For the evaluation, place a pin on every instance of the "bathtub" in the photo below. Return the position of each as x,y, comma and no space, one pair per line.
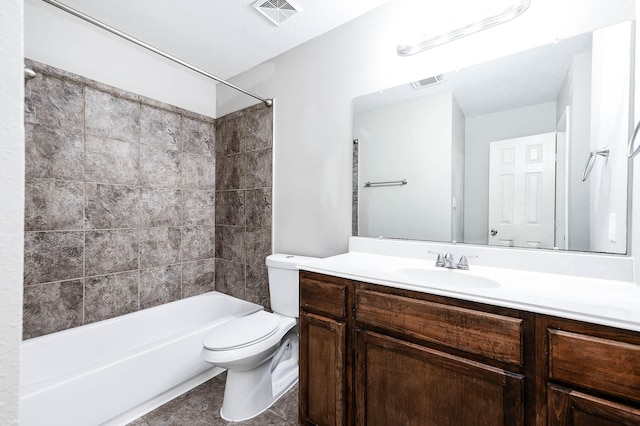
113,371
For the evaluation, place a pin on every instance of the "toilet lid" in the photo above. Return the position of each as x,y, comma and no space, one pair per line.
242,331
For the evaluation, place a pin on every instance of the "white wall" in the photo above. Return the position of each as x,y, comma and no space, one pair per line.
12,205
59,39
413,141
579,147
314,84
610,86
457,172
480,132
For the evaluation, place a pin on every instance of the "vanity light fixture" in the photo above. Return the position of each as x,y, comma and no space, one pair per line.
514,9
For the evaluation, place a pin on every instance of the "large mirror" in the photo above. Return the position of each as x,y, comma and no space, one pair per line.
527,150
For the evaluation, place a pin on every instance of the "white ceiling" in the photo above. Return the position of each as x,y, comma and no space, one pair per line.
223,37
526,78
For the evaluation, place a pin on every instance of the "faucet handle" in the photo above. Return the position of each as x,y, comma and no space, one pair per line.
463,263
440,259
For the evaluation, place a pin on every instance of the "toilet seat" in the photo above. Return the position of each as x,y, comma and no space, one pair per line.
242,332
248,353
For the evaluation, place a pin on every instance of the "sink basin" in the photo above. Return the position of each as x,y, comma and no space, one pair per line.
444,278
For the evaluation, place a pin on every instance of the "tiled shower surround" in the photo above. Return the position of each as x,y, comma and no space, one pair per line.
243,210
120,203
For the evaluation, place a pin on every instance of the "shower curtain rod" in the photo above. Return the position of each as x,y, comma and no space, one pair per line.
268,102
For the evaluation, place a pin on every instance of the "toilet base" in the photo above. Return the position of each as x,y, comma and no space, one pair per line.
250,393
254,413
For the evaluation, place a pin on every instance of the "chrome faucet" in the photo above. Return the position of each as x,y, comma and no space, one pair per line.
448,262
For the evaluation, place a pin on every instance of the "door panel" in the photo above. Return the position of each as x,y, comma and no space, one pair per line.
522,192
322,367
400,383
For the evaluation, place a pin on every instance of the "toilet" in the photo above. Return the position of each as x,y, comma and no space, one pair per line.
260,351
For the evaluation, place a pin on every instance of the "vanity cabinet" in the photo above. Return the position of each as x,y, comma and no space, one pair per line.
376,355
371,355
593,373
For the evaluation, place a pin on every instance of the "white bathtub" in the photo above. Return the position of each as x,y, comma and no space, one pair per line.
113,371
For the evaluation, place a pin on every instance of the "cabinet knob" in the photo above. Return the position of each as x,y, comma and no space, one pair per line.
494,232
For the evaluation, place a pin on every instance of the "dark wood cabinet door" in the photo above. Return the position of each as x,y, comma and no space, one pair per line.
571,408
400,383
322,371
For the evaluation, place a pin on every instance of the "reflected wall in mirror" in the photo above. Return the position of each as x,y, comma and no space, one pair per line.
495,153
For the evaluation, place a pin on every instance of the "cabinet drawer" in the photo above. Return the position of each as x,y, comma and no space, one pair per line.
569,407
600,364
493,336
323,297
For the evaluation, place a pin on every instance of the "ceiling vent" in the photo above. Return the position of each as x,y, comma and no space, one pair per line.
426,82
277,11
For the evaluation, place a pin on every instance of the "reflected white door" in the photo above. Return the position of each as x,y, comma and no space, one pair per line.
522,191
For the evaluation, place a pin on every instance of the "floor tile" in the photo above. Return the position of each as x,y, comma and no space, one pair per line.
201,406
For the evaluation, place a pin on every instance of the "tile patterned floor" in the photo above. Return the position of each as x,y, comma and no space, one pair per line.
201,406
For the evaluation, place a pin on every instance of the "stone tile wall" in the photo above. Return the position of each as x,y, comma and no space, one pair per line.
244,151
354,189
120,203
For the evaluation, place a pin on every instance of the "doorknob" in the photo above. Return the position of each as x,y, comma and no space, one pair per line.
494,232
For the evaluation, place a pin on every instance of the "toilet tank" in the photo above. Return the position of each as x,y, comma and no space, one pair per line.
283,282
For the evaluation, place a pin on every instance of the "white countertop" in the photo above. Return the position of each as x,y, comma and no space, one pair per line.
595,300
